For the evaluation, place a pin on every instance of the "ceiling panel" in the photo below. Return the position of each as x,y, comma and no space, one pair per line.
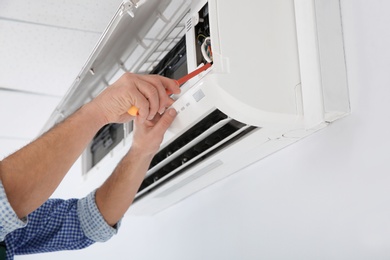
42,59
22,116
87,15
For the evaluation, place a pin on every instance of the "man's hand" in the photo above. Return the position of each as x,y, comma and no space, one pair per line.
149,135
147,92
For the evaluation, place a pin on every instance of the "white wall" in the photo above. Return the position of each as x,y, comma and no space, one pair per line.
325,197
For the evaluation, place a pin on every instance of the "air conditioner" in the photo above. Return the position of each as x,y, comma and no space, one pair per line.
278,75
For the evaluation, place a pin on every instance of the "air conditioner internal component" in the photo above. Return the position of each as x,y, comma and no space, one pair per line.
278,75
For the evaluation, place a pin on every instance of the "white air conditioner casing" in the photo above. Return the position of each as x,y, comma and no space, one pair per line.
278,74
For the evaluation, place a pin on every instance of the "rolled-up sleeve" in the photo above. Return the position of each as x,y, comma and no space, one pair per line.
92,221
9,221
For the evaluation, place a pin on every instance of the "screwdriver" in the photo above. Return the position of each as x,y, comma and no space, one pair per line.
134,110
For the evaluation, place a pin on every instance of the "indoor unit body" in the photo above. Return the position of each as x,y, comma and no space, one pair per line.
278,74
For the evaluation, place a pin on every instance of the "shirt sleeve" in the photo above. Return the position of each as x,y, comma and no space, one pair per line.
9,221
92,221
61,225
54,226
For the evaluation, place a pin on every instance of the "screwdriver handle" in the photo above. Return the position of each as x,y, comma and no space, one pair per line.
133,111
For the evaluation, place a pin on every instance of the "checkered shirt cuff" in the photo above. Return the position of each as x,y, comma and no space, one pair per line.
9,221
92,221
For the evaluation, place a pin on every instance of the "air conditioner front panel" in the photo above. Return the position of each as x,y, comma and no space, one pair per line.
252,114
205,93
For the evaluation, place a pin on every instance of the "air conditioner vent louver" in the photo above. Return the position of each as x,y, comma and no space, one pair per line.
188,136
214,131
190,178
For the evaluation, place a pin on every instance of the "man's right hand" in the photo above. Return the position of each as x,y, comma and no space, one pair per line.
147,92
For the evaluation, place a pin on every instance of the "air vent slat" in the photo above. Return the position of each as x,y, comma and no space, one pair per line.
191,178
198,137
188,136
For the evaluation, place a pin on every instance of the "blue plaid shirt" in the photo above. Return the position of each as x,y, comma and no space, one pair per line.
56,225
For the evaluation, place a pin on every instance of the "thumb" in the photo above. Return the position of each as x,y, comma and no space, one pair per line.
166,120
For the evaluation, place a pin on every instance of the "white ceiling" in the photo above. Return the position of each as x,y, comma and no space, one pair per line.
43,46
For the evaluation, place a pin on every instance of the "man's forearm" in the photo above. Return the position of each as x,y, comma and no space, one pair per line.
115,196
32,174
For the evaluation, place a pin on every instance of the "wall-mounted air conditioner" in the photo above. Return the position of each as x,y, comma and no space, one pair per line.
278,75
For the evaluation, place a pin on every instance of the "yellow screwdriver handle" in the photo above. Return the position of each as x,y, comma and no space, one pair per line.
133,111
